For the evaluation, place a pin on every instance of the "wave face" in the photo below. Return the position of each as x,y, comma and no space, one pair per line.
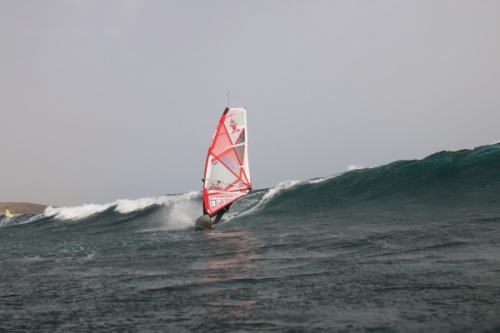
443,186
407,246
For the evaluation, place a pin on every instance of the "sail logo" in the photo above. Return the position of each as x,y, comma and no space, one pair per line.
218,202
234,126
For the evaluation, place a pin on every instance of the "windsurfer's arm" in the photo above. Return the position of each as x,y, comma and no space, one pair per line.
218,217
220,213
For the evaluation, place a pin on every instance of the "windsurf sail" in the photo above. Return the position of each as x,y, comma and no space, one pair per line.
8,213
227,175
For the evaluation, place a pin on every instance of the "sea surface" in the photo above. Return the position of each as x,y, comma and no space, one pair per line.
411,246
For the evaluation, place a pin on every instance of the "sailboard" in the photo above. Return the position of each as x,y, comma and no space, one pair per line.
8,213
227,174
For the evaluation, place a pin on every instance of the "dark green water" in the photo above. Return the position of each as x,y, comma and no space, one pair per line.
411,246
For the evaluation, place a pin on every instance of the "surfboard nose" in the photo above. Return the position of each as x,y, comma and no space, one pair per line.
203,223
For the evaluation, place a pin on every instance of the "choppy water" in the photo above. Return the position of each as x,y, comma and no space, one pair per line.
412,246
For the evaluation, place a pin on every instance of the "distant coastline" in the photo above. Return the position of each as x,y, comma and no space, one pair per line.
21,208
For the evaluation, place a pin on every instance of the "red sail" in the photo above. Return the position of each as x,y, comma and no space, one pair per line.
227,176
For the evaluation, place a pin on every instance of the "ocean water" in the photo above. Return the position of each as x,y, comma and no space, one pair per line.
412,246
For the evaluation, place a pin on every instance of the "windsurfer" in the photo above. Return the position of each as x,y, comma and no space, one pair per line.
226,177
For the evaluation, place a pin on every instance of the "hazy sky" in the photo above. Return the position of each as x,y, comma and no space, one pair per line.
118,99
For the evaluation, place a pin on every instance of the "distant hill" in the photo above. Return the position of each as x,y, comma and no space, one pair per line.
21,208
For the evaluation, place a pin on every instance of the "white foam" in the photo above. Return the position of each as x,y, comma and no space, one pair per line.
122,206
126,206
321,180
75,213
272,192
182,215
355,167
278,189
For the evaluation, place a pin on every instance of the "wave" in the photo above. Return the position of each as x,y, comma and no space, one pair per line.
460,181
120,206
465,182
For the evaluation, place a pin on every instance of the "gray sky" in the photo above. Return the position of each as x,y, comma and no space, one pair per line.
118,99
